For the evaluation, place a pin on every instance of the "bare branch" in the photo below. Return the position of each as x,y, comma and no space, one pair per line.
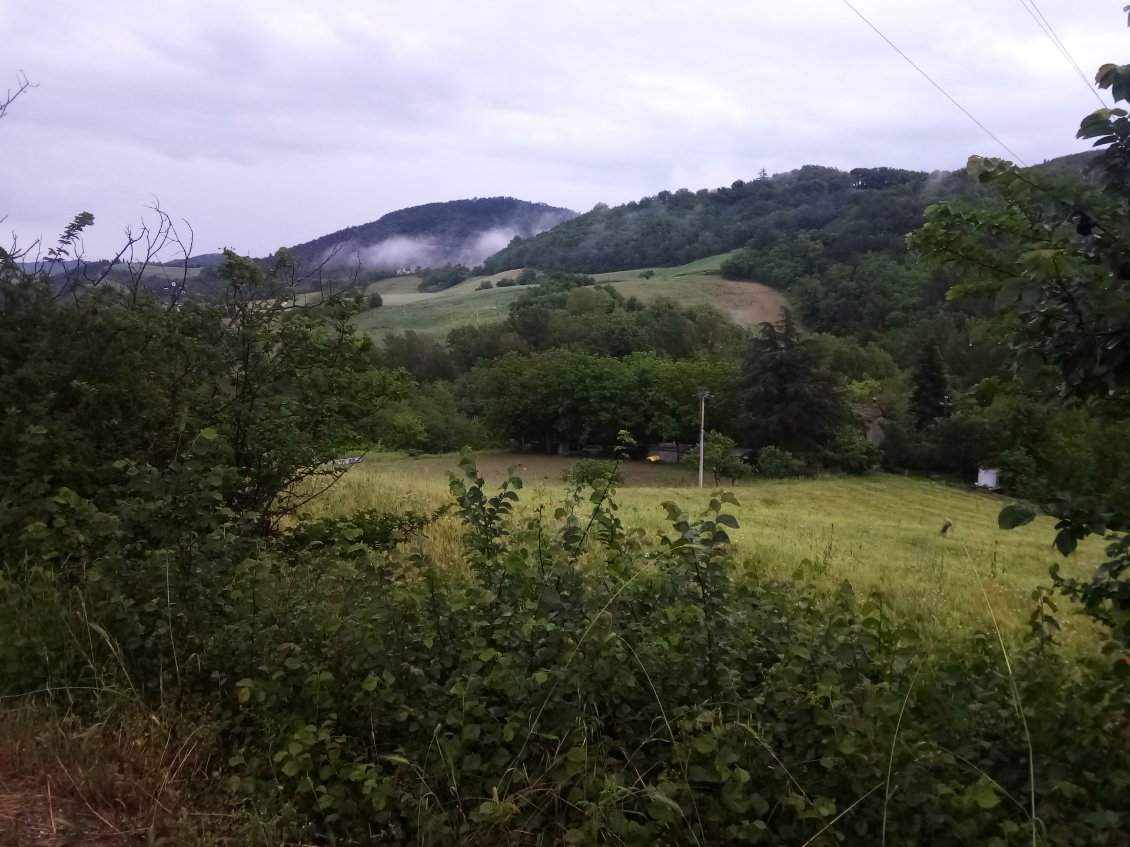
140,256
22,85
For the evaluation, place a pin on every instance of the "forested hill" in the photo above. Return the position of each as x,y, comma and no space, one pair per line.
673,228
456,232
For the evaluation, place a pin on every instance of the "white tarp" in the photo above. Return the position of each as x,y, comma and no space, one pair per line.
988,478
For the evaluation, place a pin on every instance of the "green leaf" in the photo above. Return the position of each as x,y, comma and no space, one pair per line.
825,806
1014,515
663,808
984,795
705,743
1066,542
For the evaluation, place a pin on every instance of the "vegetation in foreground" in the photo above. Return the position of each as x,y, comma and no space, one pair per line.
576,682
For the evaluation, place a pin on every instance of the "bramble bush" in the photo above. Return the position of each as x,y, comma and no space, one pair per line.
593,471
578,683
850,452
776,463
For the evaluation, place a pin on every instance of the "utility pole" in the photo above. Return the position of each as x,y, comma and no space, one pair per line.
702,393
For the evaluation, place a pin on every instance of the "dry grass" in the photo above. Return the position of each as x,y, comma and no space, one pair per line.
881,532
746,303
116,779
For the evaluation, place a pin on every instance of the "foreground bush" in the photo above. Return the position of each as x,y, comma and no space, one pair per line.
578,683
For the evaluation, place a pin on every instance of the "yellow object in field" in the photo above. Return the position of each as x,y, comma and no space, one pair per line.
654,459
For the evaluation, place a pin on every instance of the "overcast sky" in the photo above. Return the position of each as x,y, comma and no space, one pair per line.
270,123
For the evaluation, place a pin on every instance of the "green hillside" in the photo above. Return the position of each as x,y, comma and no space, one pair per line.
695,284
869,206
406,308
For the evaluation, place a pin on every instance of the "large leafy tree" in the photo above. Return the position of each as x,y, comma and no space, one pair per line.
578,398
99,379
1054,255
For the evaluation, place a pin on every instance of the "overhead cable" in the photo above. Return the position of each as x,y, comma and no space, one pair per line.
936,85
1033,10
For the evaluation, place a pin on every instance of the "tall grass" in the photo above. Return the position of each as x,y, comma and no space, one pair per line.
880,532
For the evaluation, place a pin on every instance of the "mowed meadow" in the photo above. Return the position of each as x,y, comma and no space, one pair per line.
934,548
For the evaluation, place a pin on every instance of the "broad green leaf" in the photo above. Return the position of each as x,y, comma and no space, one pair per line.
1014,515
1066,542
984,795
705,743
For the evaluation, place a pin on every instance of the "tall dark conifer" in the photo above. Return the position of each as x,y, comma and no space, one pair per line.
929,399
792,399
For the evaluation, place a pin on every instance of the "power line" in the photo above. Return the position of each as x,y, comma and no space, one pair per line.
930,79
1046,26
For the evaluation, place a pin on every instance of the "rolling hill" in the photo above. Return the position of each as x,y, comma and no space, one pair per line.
456,232
674,228
696,283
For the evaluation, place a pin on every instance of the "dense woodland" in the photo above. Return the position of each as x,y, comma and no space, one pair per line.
576,682
863,208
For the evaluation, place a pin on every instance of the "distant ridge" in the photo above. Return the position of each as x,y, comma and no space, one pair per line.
434,234
673,228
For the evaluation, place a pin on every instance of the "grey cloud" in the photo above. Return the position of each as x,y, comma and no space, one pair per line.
267,124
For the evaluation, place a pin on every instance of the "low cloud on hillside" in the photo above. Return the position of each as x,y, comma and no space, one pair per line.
400,251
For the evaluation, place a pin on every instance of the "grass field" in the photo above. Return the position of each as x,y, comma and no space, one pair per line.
881,532
435,313
700,283
694,284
